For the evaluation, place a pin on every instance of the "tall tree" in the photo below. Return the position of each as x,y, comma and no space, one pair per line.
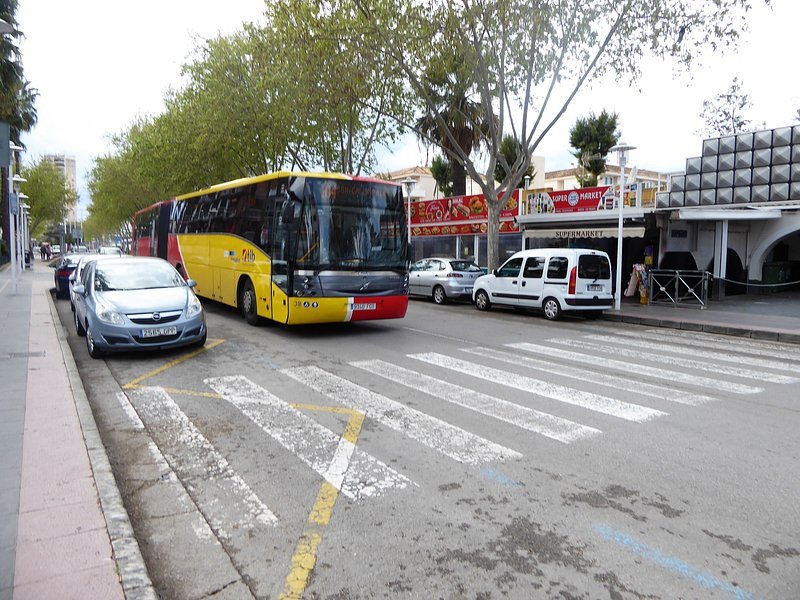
510,150
525,62
724,114
592,137
443,175
48,195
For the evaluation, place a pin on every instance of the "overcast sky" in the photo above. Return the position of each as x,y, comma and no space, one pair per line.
98,64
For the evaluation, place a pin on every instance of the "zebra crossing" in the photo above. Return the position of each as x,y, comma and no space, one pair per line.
509,385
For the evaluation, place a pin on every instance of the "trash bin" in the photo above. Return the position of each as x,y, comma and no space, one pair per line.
28,259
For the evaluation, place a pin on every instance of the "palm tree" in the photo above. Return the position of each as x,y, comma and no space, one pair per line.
457,124
17,98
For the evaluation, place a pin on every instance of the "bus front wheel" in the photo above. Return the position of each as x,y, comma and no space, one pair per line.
248,303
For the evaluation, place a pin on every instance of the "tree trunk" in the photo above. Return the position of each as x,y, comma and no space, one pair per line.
459,178
493,232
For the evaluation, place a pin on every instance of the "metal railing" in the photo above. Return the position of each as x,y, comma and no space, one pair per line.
680,288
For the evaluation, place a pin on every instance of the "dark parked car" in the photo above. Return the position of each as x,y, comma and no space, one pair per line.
64,268
139,303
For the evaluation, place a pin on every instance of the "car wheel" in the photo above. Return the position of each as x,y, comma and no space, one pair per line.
552,309
94,352
482,300
249,304
79,328
202,341
438,295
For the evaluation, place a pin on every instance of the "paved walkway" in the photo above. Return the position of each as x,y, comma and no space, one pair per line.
64,532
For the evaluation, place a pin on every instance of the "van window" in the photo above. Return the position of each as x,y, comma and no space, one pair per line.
593,266
557,268
534,268
511,268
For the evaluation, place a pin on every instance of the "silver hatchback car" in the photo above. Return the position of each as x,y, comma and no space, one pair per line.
137,303
443,279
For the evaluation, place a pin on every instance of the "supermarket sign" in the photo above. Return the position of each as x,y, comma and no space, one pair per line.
460,215
540,202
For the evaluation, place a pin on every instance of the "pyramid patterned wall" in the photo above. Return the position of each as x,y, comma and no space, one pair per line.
748,168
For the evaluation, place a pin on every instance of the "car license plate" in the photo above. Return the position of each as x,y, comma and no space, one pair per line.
159,331
594,287
362,306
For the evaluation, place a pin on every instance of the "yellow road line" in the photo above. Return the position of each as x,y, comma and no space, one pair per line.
305,553
333,409
209,345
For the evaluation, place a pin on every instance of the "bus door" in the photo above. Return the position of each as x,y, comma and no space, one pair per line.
282,260
162,229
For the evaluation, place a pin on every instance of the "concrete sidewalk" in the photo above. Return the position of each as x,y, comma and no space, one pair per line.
768,317
64,532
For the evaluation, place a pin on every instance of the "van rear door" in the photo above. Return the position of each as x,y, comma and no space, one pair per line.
594,275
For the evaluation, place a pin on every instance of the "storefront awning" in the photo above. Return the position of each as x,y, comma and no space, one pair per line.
582,233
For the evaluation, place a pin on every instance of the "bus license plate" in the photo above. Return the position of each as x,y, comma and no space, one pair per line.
594,287
159,331
362,306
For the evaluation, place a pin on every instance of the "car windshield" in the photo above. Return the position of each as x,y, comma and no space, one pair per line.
464,265
114,276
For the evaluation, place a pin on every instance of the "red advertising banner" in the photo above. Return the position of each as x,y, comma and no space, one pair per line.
568,201
460,215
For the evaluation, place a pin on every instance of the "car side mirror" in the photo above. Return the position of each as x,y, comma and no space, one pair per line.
80,290
72,277
494,272
191,283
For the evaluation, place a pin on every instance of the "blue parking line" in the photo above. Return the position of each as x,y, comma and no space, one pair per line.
504,480
640,548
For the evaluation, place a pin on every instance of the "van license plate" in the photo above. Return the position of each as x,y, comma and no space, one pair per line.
362,306
594,287
159,331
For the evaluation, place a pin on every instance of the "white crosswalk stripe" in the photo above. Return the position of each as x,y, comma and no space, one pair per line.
353,471
689,363
567,395
215,485
594,377
448,439
652,372
733,345
542,423
702,354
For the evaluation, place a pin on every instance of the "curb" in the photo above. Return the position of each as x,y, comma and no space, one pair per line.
136,584
756,334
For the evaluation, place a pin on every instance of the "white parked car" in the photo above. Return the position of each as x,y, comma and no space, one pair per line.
551,279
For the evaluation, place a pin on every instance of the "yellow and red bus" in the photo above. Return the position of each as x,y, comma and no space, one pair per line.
291,247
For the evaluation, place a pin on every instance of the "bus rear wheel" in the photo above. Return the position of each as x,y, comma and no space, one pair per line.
248,303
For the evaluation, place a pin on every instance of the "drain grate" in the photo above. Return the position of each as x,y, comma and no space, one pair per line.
22,355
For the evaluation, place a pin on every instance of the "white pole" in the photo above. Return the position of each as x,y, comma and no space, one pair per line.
618,298
12,235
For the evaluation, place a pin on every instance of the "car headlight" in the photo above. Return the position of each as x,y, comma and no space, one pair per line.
107,314
193,307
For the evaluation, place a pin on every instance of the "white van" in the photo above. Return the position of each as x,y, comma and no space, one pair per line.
552,279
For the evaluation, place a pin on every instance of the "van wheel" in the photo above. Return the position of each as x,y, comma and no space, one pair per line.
438,295
552,309
482,300
248,303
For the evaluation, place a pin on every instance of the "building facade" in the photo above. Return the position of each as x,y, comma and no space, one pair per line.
66,166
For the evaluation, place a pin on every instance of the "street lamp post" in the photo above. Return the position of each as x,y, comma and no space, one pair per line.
622,150
409,184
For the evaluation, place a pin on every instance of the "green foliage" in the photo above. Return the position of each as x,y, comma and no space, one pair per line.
511,151
17,98
523,63
592,137
48,194
725,113
442,175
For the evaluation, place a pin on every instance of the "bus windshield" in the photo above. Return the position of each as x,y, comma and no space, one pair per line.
351,224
